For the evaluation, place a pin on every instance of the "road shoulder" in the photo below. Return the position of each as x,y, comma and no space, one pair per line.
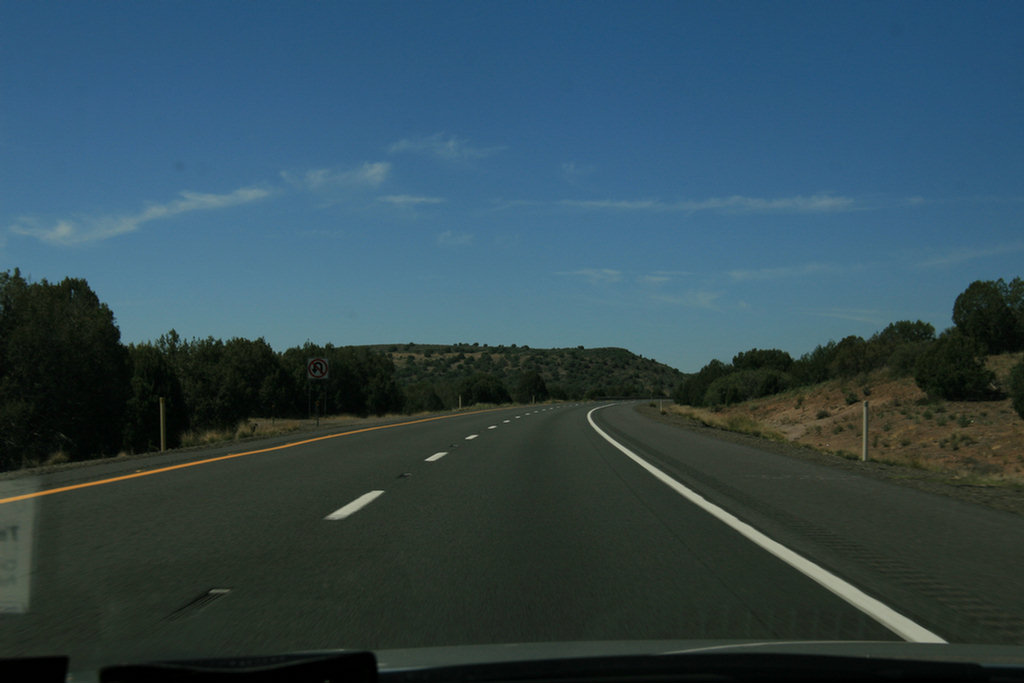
1002,498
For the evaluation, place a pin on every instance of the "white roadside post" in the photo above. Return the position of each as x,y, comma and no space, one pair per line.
864,443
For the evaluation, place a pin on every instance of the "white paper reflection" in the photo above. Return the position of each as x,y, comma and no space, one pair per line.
17,533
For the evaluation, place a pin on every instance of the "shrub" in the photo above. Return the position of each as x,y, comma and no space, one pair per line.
953,369
693,389
982,312
1016,387
745,385
850,357
756,359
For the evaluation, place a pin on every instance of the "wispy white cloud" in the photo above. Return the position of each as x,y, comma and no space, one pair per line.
790,271
661,277
450,238
369,174
409,200
818,203
963,254
813,204
449,148
596,275
697,298
618,205
68,231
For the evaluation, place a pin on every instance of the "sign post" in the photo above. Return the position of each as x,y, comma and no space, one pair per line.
316,369
163,425
864,442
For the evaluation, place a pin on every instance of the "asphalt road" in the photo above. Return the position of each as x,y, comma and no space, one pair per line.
535,529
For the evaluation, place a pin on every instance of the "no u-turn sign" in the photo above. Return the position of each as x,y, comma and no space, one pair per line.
316,368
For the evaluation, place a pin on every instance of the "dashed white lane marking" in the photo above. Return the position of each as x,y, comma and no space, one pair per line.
437,456
519,417
355,506
471,437
897,623
493,427
505,422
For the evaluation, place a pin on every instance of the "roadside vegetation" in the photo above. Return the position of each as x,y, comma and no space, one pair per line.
950,403
70,390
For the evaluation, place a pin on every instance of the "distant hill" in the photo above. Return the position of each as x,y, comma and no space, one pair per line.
567,373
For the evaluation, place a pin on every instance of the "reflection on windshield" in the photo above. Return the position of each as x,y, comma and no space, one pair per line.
17,535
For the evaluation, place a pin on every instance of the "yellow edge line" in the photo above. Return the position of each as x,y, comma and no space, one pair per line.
111,480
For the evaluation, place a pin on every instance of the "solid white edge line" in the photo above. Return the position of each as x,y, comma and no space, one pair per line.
894,621
355,506
437,456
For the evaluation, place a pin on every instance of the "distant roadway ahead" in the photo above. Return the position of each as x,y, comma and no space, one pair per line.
547,523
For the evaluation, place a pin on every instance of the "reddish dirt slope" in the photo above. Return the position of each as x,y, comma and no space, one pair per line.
976,441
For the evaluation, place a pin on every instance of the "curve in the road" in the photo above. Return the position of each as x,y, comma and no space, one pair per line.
880,612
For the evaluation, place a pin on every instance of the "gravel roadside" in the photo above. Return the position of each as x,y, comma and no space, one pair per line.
1005,498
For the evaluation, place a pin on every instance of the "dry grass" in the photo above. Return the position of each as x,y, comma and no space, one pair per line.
735,422
58,457
247,429
976,442
257,427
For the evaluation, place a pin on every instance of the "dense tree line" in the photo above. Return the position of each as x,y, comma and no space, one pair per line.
988,318
70,388
65,378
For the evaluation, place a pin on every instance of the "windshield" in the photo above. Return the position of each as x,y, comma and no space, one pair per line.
400,325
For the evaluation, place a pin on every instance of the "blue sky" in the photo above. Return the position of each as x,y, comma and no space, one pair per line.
686,180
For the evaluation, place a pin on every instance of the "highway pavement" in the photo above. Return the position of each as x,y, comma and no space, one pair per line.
514,525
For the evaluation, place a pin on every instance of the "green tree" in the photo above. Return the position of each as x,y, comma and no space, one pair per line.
64,375
361,381
1016,387
422,397
850,357
483,388
815,366
745,385
531,387
692,390
953,368
905,332
899,345
981,312
1013,295
152,377
755,359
